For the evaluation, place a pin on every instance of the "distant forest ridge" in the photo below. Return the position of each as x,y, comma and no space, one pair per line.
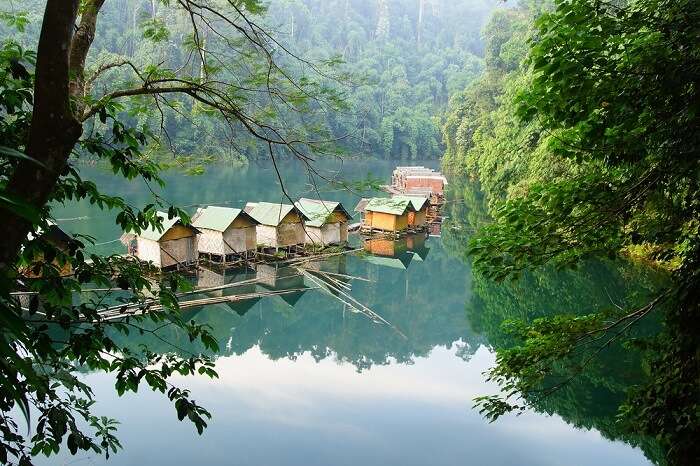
404,59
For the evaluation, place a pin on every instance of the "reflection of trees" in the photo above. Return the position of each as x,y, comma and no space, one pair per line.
414,301
592,399
464,212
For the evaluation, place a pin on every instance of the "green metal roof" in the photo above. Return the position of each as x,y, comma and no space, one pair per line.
155,235
389,205
418,202
360,207
270,214
217,218
319,211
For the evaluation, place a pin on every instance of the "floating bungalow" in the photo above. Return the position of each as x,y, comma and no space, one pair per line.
360,207
418,179
56,237
386,214
419,218
327,221
226,234
279,225
173,247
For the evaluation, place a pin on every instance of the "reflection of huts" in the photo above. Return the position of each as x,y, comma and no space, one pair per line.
388,253
225,232
333,265
327,221
174,246
418,218
274,277
279,225
416,244
228,282
386,214
215,276
398,254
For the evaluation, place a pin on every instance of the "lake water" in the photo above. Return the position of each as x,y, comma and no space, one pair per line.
305,381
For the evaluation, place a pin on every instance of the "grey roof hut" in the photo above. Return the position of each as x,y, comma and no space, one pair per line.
225,231
174,246
279,225
328,221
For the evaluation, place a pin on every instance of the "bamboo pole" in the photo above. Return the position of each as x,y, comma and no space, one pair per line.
342,275
201,302
356,304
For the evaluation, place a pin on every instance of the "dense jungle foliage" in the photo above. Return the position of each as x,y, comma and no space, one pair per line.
583,133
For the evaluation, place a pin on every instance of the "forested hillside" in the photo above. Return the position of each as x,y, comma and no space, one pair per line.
484,137
395,64
407,57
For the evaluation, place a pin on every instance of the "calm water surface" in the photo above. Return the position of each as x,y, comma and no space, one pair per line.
304,381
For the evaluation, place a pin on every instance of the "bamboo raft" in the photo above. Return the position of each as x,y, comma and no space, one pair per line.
334,284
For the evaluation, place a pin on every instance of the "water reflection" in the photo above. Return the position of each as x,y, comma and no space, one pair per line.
591,400
397,253
306,381
413,301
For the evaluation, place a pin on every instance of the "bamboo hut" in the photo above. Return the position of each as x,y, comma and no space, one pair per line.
279,225
54,236
327,224
225,233
414,179
174,246
418,218
360,207
59,239
388,215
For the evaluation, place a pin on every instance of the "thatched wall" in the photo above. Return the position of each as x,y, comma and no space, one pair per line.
330,233
178,251
286,234
231,241
148,251
240,239
386,222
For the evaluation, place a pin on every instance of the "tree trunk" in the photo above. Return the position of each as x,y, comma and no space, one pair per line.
421,7
54,128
